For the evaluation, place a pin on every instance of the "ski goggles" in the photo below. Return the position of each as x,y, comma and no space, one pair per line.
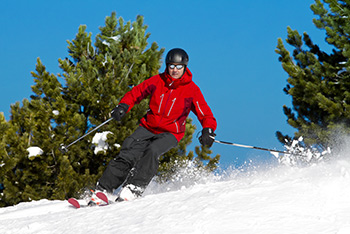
178,67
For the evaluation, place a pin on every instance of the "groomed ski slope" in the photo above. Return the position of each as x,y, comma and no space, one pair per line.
278,199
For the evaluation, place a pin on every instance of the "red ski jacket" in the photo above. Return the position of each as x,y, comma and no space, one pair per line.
170,103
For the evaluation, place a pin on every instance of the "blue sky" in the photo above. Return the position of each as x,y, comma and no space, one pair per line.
231,45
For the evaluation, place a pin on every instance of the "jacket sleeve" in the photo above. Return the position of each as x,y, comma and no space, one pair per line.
139,92
203,112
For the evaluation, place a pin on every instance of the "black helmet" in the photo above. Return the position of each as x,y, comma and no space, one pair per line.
177,55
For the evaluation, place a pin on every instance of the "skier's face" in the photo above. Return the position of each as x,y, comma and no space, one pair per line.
176,70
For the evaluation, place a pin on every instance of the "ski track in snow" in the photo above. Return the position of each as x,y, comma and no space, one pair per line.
279,200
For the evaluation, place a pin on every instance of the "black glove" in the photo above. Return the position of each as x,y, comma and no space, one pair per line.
207,138
119,111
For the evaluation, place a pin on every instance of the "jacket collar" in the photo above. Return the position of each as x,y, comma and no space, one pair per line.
172,83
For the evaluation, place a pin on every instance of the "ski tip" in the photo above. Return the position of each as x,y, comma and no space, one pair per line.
74,202
102,196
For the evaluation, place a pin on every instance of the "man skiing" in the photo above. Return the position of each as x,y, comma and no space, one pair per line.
173,95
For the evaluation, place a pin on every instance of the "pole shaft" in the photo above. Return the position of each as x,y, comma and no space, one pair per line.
89,132
250,147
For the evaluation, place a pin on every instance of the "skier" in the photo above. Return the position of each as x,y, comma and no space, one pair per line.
173,95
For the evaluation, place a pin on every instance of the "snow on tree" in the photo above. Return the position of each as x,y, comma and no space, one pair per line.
34,151
99,140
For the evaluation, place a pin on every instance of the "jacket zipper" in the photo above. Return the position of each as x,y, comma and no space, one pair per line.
161,101
172,106
199,108
177,127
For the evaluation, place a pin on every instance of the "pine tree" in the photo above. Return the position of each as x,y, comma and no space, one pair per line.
66,106
319,82
7,161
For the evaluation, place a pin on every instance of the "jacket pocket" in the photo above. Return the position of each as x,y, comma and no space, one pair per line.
177,126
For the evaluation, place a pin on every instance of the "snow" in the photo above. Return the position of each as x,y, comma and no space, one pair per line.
115,38
99,140
276,154
272,199
34,151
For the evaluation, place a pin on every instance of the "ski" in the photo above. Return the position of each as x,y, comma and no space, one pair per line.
103,197
74,202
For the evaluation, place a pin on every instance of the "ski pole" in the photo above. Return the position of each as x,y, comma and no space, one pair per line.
64,149
251,147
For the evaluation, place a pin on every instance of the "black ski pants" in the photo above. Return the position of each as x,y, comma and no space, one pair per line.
137,162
